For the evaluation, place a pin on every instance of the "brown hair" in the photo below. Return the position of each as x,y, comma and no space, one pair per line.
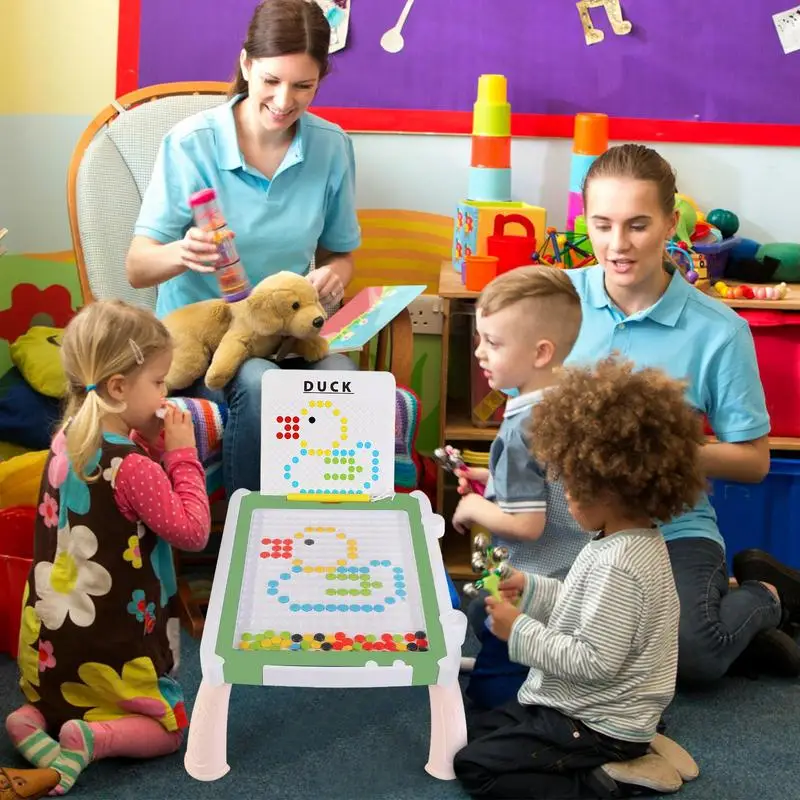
283,28
105,338
611,432
555,305
639,163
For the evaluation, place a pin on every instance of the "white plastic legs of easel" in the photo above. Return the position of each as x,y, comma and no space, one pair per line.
207,747
448,730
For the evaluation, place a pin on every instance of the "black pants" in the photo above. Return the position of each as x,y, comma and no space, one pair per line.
536,752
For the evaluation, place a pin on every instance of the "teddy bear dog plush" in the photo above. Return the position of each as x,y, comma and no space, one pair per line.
214,337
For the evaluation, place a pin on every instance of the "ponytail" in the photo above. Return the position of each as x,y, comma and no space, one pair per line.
84,434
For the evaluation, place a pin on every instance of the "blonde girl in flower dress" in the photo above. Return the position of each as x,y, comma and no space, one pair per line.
99,639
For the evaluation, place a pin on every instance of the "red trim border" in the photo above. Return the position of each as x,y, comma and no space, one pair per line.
128,39
374,120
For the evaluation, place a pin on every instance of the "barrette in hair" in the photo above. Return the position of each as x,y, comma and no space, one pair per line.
137,352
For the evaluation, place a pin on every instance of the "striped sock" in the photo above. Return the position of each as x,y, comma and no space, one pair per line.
77,749
26,729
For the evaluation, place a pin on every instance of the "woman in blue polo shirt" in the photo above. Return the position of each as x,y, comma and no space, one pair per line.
286,183
637,304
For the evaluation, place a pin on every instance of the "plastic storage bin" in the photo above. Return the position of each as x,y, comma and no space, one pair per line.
716,254
765,515
777,339
16,557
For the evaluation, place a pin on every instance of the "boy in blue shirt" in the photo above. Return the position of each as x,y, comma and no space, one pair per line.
527,320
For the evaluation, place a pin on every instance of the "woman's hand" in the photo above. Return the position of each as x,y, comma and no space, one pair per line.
327,283
198,252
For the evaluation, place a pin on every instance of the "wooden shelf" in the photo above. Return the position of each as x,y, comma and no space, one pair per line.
450,286
460,428
789,303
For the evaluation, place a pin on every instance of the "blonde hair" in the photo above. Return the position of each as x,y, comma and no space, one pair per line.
555,305
105,338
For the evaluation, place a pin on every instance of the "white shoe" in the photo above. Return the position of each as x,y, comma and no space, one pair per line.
467,664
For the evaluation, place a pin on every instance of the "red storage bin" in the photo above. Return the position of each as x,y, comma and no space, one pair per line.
16,557
777,339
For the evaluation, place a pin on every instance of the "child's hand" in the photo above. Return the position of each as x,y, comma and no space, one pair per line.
512,586
503,615
178,429
464,514
476,474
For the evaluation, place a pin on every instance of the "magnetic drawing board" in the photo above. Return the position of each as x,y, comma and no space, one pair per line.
327,433
301,585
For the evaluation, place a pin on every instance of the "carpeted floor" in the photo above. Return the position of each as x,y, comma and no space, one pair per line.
371,744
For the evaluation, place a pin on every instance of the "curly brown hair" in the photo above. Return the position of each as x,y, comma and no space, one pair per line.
613,433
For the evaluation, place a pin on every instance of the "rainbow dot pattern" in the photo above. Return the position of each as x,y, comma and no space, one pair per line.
326,457
340,582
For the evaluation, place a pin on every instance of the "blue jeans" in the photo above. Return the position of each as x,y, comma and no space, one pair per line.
241,444
717,622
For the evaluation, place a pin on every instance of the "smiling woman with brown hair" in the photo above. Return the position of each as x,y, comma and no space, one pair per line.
285,179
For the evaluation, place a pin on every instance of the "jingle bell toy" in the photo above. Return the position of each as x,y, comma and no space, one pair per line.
449,459
492,565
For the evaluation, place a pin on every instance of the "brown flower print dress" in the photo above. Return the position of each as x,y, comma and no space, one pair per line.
99,636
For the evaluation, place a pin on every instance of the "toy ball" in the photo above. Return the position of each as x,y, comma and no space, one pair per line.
760,292
480,542
747,292
692,276
471,590
726,221
683,246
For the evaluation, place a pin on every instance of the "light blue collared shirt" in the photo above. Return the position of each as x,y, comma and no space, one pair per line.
691,337
278,223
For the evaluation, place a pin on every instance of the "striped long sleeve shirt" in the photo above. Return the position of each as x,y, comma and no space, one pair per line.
603,645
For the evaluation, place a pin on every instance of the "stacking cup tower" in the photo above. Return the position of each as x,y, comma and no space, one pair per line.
590,141
493,232
490,164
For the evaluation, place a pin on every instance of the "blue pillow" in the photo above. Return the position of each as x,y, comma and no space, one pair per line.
27,418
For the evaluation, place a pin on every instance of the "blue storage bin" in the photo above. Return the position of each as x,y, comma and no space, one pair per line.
764,515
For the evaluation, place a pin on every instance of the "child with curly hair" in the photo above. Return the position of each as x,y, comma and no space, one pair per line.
100,634
602,645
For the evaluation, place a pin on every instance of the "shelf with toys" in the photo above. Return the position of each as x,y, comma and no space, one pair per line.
493,234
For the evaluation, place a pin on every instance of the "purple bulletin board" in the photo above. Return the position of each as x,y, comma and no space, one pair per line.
691,70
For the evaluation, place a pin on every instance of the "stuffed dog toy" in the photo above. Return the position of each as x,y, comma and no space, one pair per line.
214,337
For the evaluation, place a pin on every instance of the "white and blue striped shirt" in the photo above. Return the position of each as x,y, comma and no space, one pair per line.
603,645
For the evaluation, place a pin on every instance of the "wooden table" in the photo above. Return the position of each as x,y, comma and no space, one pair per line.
455,424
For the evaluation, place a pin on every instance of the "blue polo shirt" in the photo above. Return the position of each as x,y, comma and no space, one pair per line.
278,223
692,337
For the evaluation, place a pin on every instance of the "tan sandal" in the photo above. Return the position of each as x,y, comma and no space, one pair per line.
26,784
680,759
649,771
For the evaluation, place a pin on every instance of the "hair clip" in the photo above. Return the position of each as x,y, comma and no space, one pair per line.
137,352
